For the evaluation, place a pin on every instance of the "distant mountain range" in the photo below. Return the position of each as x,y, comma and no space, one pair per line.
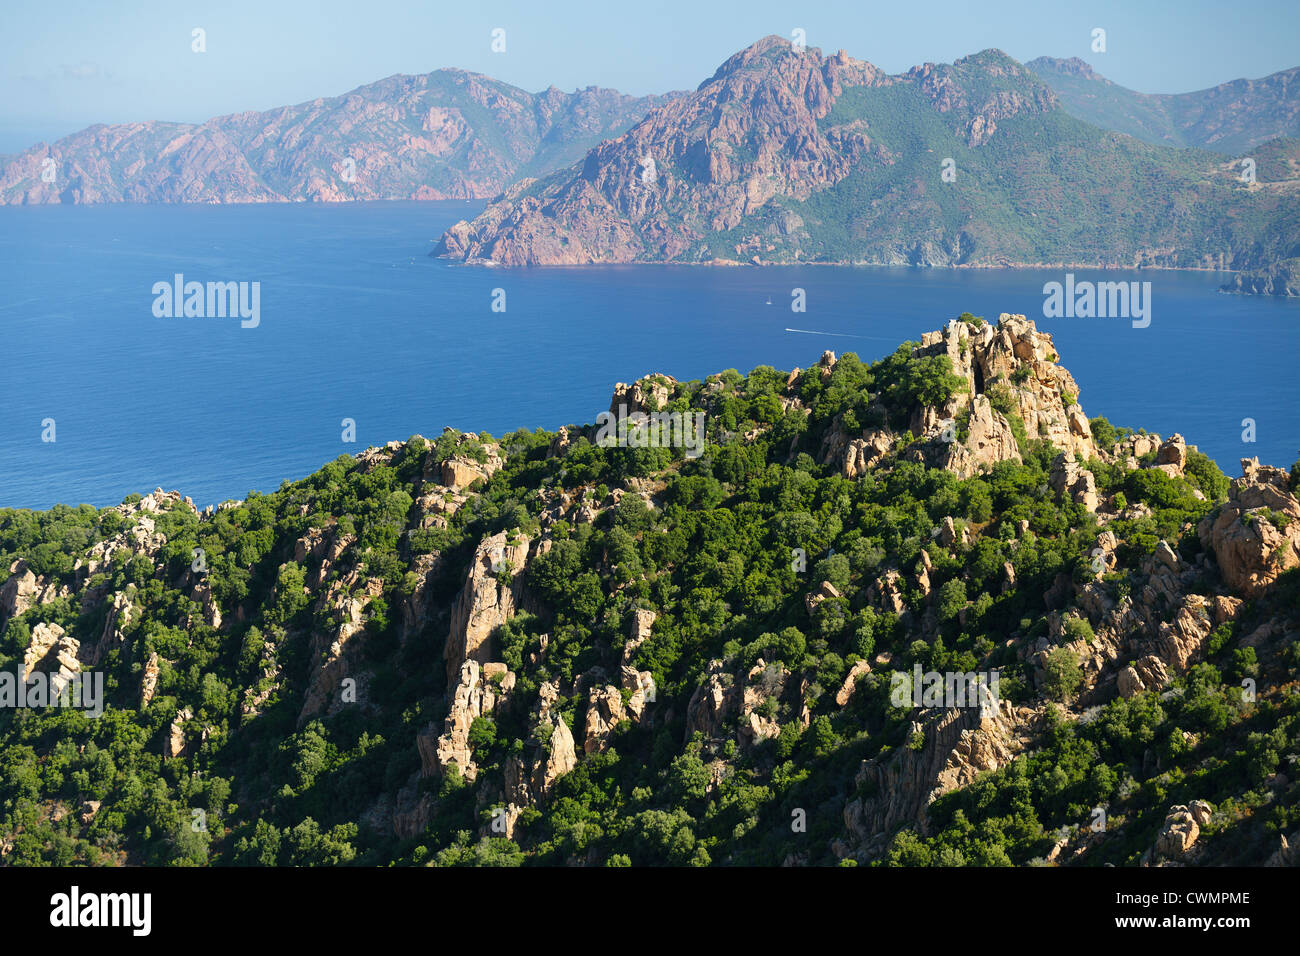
443,135
782,156
1228,118
785,156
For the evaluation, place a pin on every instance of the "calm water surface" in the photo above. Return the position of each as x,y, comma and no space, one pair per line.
358,322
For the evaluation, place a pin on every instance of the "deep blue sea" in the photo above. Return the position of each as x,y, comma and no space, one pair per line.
356,321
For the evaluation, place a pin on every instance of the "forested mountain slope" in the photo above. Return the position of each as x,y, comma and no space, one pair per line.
540,650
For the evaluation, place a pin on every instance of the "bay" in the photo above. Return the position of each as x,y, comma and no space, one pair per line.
357,322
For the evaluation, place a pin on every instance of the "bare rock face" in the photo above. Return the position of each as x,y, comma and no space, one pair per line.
1171,457
416,608
1016,363
557,756
924,567
1178,835
53,650
478,694
950,534
19,591
991,438
824,591
140,538
647,394
210,611
642,626
322,552
845,693
409,811
489,598
711,703
604,711
642,686
175,743
113,634
23,590
1287,852
1015,355
464,467
149,683
862,454
1131,448
1250,547
764,682
1201,810
957,744
1181,641
886,592
334,652
1148,673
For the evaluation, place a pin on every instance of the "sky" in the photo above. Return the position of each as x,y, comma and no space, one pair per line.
65,66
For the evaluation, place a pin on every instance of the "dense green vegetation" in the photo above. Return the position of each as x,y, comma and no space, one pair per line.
717,560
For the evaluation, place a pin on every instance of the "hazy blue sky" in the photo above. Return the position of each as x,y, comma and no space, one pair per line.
65,66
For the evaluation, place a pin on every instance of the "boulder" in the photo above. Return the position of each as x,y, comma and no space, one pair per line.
1178,834
1171,457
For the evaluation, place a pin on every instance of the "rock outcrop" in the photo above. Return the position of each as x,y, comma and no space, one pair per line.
605,710
488,599
647,394
149,682
334,653
479,693
845,693
1023,360
710,703
1072,480
764,682
175,743
1178,834
556,756
953,746
54,650
1255,535
1012,366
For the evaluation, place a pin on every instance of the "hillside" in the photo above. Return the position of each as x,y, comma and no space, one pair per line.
442,135
784,156
1229,118
549,648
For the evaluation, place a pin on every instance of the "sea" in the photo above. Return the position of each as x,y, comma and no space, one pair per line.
359,333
